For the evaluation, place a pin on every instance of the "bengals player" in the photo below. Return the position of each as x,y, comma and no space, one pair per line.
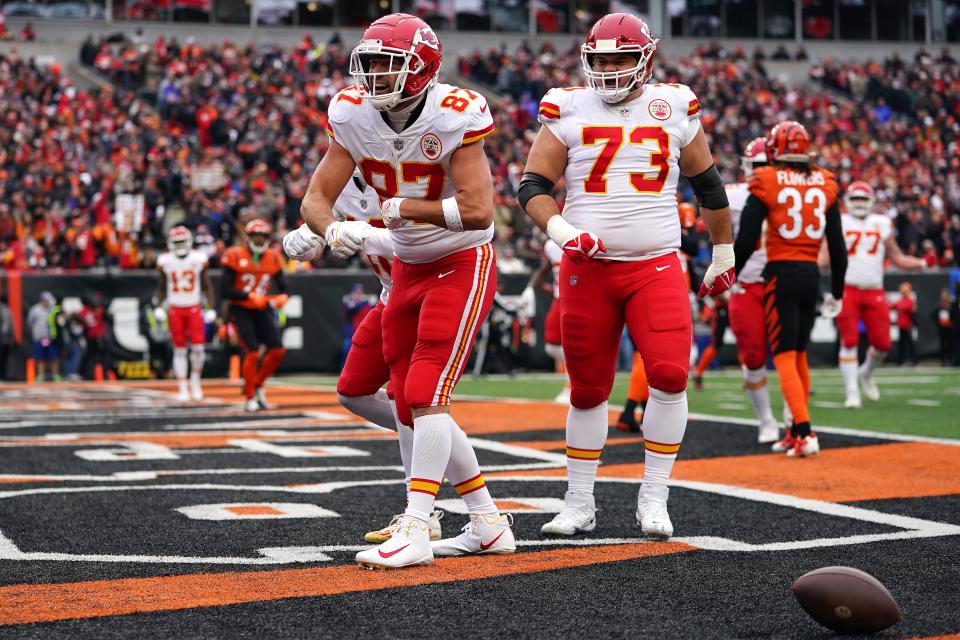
248,272
799,203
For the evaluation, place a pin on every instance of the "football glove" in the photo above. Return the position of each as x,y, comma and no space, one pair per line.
303,244
160,314
830,308
390,212
278,301
209,316
578,245
720,275
258,301
346,238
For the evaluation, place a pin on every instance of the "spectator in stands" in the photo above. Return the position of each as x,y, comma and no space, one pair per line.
8,339
44,332
906,308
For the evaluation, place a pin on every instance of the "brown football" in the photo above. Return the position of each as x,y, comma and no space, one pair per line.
846,600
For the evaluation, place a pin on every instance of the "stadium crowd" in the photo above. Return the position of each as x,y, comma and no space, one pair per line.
213,136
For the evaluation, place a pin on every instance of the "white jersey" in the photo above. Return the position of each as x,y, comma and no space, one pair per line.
414,163
554,255
358,201
183,277
622,166
865,249
737,194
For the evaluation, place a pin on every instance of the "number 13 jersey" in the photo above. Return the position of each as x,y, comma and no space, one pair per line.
414,163
622,165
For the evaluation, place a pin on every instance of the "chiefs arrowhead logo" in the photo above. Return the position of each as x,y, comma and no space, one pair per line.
425,35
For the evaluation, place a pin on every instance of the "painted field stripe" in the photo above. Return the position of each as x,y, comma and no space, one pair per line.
709,543
29,603
560,445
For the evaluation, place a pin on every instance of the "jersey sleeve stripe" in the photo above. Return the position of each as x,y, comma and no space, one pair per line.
330,132
694,107
546,113
473,136
549,106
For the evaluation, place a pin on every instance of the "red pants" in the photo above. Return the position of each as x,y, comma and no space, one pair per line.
596,299
870,305
551,329
186,323
365,370
746,319
430,324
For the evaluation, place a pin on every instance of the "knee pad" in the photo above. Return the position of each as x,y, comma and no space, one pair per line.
583,397
667,377
883,344
555,351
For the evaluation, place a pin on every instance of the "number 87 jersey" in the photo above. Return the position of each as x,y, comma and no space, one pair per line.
622,164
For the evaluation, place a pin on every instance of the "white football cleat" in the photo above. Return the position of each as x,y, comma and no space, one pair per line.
251,405
579,514
768,432
196,391
803,447
261,398
409,545
652,513
868,385
483,534
382,535
184,394
852,401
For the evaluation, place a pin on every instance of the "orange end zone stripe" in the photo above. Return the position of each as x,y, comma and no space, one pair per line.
28,603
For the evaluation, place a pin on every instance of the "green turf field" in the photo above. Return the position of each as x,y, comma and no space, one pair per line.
924,401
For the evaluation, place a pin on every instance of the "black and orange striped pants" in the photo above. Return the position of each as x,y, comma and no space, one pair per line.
790,308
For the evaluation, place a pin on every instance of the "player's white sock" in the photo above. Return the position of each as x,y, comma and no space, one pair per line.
848,368
180,363
405,437
759,392
432,435
586,435
463,471
664,423
374,408
197,357
874,359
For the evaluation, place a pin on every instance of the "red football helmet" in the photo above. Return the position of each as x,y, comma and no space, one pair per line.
754,155
859,199
414,54
179,241
260,227
618,33
788,141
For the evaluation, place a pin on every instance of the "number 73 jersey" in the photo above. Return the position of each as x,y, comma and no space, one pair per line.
622,164
796,203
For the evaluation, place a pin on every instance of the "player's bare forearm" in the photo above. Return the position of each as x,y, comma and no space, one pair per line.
208,288
718,224
470,173
161,288
901,261
540,209
326,183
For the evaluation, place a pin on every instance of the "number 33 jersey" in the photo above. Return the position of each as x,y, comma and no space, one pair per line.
414,163
183,277
622,164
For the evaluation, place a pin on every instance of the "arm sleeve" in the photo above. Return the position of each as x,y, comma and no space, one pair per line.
227,290
838,250
379,244
751,225
280,278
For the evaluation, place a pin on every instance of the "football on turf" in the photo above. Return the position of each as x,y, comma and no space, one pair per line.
846,600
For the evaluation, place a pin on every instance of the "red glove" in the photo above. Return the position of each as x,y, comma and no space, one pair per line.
584,247
720,275
279,300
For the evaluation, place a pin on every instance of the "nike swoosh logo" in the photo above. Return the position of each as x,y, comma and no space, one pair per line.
483,109
394,552
444,275
484,547
662,268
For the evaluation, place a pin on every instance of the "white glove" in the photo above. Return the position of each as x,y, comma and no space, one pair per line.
390,212
346,238
302,244
830,308
720,275
209,316
160,314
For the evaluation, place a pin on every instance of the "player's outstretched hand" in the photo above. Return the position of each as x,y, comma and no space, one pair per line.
302,244
830,308
346,238
390,212
720,275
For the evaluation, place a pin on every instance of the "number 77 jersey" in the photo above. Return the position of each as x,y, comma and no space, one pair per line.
622,164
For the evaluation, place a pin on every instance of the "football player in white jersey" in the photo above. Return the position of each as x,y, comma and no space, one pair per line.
419,145
746,304
621,146
870,239
551,328
365,371
181,272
